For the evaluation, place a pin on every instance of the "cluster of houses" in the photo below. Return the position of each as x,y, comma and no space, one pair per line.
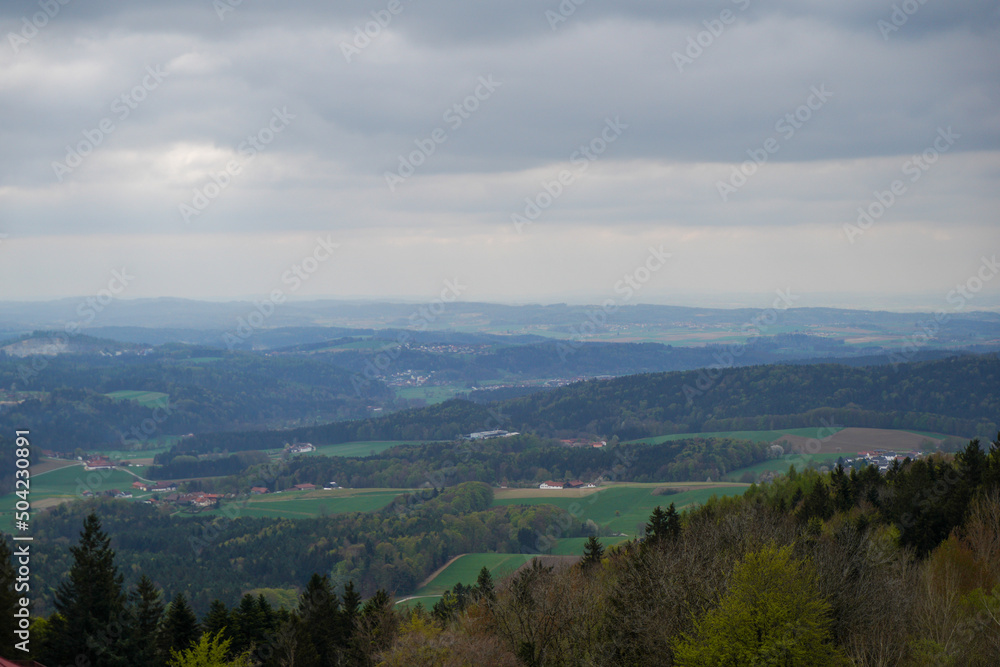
575,484
300,448
880,458
198,499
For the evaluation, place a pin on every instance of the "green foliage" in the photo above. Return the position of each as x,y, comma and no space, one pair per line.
210,651
772,614
89,604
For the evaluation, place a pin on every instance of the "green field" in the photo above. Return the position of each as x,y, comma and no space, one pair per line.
358,448
621,509
755,436
466,569
573,546
308,504
149,399
781,464
64,484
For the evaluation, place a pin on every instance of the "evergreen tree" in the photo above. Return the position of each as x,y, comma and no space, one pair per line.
656,529
218,620
89,605
484,585
673,522
349,618
593,551
8,602
146,607
180,627
209,651
319,610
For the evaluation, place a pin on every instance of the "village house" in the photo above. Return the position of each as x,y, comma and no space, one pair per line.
163,486
98,463
550,485
304,487
300,447
258,490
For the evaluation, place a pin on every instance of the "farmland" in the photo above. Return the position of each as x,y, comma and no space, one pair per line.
621,508
307,504
367,448
149,399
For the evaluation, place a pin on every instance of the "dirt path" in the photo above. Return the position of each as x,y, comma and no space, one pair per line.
438,571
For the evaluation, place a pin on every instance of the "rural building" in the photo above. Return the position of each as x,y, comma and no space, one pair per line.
98,463
304,487
550,485
164,486
258,490
575,484
331,486
140,486
300,447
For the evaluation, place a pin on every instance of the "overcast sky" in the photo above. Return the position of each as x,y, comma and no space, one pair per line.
530,151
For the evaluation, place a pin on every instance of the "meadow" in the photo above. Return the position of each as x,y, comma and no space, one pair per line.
623,508
149,399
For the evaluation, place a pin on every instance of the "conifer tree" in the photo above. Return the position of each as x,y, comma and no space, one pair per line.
218,620
146,614
89,605
593,551
319,610
484,585
180,627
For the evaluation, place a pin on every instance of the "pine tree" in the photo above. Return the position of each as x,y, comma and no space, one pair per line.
146,613
180,627
349,618
484,585
89,605
218,620
8,601
673,520
593,551
319,610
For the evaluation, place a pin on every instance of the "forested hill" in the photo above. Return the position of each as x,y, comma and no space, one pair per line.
958,395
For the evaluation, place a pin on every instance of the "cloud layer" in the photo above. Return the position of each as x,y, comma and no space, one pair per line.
534,150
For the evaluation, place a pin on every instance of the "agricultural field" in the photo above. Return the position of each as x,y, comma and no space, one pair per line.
754,436
357,448
62,484
465,569
623,508
781,464
852,440
308,504
149,399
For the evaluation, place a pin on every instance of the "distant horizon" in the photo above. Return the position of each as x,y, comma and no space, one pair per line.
892,303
